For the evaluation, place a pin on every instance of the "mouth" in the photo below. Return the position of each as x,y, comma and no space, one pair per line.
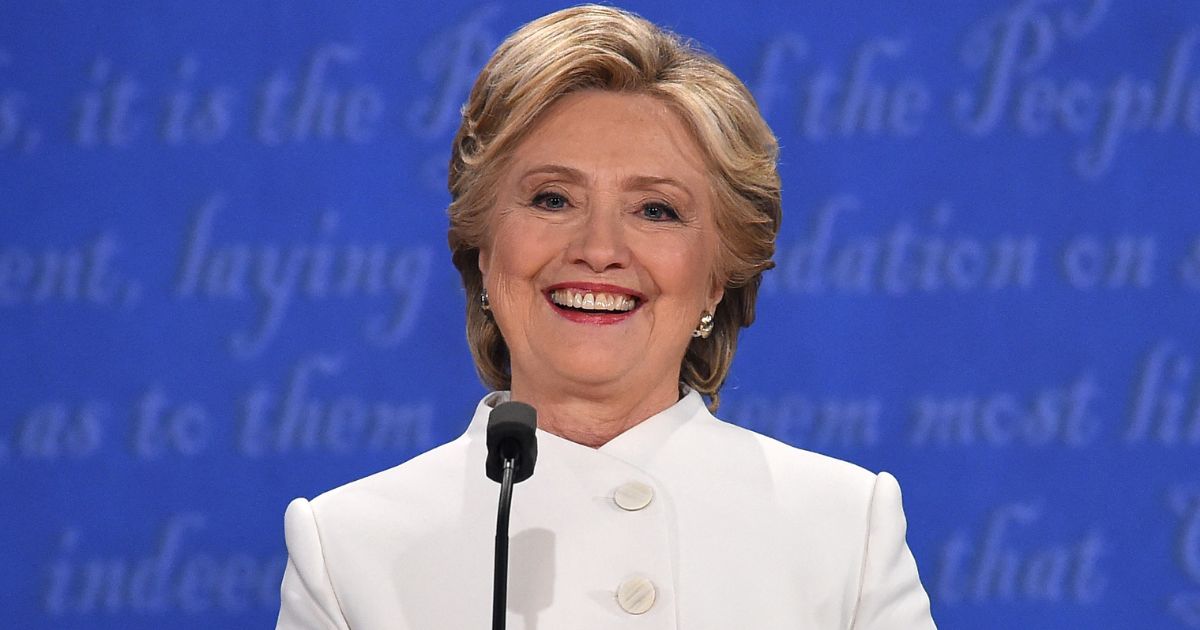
593,303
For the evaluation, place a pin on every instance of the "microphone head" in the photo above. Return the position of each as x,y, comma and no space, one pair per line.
511,432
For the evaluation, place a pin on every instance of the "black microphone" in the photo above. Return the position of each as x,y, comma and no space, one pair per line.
512,452
511,435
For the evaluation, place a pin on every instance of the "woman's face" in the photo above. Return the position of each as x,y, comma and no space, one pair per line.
603,247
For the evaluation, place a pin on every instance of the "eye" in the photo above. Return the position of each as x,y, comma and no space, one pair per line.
550,201
658,211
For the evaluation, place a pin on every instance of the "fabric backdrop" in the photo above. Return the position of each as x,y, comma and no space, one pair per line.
224,283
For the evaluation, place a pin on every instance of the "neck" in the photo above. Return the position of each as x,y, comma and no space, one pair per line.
592,416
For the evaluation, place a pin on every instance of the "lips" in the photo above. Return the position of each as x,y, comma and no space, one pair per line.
593,303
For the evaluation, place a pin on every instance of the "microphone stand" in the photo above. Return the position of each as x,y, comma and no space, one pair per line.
500,581
512,452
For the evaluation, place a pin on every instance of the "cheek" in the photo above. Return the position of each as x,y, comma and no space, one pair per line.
685,271
516,255
503,249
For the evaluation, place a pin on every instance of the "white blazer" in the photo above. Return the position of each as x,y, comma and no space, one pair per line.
682,522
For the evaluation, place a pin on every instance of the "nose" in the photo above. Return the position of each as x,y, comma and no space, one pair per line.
599,241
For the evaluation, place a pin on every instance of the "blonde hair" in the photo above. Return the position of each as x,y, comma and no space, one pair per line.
594,47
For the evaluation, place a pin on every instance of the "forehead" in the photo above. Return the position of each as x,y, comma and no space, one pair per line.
614,133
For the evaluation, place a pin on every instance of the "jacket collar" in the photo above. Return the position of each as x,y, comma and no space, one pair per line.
639,445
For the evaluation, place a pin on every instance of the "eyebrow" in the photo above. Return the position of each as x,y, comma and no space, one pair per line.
633,181
573,174
641,181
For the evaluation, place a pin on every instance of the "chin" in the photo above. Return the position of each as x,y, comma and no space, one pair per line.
588,372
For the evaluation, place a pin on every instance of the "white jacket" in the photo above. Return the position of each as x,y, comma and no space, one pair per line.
721,529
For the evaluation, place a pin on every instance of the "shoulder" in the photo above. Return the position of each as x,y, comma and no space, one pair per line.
406,515
835,528
412,491
788,460
796,478
427,515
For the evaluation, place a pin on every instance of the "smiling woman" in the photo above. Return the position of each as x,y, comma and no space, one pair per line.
615,201
722,155
608,196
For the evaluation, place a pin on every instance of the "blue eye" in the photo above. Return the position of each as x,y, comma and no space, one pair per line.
550,201
659,212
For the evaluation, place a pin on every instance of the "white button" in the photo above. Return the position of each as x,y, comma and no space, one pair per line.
636,595
633,496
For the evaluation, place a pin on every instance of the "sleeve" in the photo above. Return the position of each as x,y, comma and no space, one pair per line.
307,600
890,594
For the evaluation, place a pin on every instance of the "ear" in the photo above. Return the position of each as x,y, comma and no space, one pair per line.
485,260
715,295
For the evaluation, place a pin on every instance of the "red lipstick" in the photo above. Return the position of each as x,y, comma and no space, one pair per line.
596,317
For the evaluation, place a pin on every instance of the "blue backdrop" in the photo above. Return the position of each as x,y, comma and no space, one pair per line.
224,283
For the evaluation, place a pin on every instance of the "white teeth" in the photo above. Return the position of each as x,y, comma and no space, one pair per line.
592,301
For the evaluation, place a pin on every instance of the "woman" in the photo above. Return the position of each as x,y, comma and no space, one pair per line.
615,200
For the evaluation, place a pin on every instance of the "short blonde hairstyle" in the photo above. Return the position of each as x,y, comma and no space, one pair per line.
594,47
